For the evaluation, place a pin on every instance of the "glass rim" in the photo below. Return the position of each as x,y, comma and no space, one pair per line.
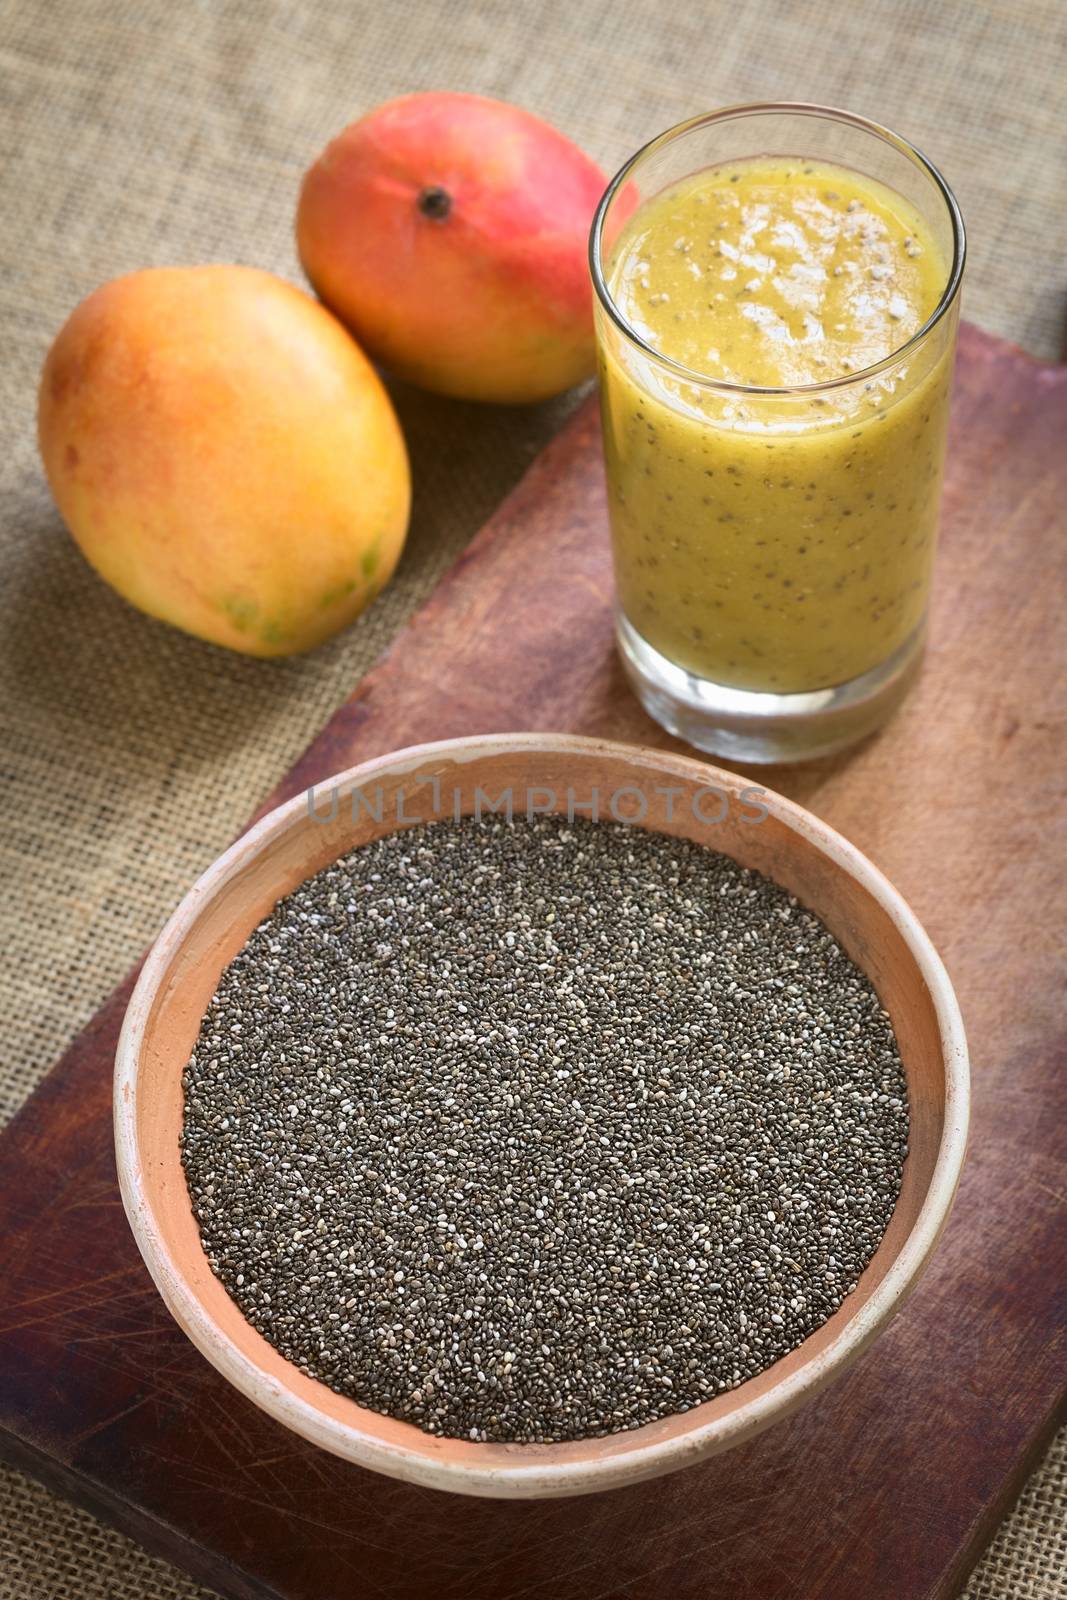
784,107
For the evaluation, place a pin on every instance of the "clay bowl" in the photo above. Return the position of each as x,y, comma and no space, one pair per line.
861,908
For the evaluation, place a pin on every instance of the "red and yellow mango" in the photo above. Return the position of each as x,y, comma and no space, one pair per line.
225,455
449,233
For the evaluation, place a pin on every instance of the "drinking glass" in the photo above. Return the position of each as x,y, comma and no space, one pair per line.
773,547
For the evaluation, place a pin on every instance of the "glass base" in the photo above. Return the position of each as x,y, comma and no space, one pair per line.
746,725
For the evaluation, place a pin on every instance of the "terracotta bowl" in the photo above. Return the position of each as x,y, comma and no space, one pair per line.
861,908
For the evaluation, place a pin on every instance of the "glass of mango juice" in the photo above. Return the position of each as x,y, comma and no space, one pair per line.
777,299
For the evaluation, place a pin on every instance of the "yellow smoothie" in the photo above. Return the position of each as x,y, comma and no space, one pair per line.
780,542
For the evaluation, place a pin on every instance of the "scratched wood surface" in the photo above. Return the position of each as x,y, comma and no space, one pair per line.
890,1484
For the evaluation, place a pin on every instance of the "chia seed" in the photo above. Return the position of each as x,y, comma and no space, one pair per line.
541,1130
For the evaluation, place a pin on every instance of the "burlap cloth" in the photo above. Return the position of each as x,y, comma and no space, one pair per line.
154,132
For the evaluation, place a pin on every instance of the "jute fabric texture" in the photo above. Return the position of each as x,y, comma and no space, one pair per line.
164,131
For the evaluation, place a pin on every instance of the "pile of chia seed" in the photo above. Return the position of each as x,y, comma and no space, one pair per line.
534,1131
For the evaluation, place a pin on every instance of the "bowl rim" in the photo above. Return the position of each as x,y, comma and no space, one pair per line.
541,1478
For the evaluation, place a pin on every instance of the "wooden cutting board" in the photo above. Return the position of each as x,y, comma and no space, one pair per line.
890,1484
